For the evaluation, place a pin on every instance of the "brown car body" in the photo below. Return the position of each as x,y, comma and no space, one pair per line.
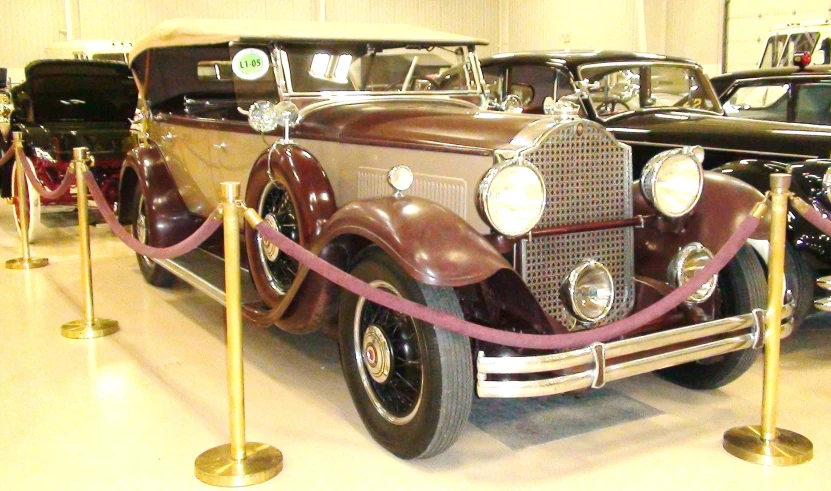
334,170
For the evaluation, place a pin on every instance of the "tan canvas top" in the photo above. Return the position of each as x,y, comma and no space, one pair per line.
186,32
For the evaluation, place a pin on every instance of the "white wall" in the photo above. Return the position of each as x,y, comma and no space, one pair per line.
750,21
690,28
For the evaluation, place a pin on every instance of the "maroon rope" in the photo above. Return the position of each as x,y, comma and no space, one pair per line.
817,219
6,156
533,341
68,180
210,226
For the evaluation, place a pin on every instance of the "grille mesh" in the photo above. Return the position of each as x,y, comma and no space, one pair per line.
588,178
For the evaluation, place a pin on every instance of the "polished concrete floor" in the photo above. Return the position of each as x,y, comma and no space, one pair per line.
133,410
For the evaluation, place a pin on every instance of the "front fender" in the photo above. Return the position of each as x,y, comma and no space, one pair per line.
431,243
725,202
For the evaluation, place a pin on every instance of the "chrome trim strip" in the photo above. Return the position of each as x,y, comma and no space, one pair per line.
716,149
348,99
596,358
192,279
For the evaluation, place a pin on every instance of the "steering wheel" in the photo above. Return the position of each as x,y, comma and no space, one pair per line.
608,107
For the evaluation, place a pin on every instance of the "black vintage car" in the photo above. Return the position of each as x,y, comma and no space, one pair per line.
787,94
654,103
65,104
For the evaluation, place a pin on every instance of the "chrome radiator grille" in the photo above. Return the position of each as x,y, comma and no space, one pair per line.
588,178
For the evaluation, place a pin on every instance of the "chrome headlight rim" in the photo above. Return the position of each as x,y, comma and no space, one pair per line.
650,173
677,266
568,291
485,190
826,184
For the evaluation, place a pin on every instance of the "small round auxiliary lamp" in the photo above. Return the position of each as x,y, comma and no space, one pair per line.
802,60
400,178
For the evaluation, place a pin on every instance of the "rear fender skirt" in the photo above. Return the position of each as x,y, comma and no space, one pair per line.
725,202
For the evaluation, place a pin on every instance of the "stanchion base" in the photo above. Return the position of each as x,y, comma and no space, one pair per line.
31,263
216,467
788,448
82,330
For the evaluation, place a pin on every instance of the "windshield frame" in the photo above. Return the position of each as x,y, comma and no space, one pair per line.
703,80
282,72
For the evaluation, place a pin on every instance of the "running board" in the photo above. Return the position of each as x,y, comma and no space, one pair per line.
206,272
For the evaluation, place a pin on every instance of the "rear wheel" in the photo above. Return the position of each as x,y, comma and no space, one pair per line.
412,383
33,205
152,272
742,287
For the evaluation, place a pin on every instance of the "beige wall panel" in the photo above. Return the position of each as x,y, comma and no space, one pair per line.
750,21
655,14
129,19
694,31
564,24
478,18
29,25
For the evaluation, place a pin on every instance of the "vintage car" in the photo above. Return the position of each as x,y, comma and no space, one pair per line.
519,223
654,103
794,94
65,104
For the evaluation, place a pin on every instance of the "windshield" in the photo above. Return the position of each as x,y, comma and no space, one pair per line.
349,68
621,88
781,48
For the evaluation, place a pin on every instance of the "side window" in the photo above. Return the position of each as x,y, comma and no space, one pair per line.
768,102
813,103
562,85
494,80
532,83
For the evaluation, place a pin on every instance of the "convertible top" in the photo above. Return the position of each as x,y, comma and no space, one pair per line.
186,32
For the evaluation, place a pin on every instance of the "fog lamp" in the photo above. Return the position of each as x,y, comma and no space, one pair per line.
589,291
689,261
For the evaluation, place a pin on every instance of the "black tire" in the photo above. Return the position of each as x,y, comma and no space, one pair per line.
742,287
800,280
417,409
152,272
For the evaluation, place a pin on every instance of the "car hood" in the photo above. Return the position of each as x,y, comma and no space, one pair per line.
757,138
434,123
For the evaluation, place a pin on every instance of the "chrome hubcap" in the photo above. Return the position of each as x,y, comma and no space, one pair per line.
377,354
270,250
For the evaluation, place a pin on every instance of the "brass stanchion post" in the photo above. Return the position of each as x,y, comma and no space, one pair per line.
90,326
238,463
766,444
27,261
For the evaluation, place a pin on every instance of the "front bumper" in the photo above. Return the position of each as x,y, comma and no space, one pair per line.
599,363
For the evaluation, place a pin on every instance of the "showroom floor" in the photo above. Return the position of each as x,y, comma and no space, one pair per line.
133,410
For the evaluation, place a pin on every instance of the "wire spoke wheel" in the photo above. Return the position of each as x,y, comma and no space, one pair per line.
278,211
386,347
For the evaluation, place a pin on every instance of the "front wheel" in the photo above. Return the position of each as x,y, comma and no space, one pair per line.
32,201
412,383
742,287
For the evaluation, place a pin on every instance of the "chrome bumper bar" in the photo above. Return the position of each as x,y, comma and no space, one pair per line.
600,357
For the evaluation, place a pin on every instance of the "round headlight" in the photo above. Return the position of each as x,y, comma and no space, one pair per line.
589,291
512,197
671,181
689,261
826,184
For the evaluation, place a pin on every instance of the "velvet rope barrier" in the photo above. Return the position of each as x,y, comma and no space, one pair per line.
201,234
808,212
532,341
68,180
6,156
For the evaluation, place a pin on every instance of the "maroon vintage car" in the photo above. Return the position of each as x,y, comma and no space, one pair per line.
526,224
65,104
